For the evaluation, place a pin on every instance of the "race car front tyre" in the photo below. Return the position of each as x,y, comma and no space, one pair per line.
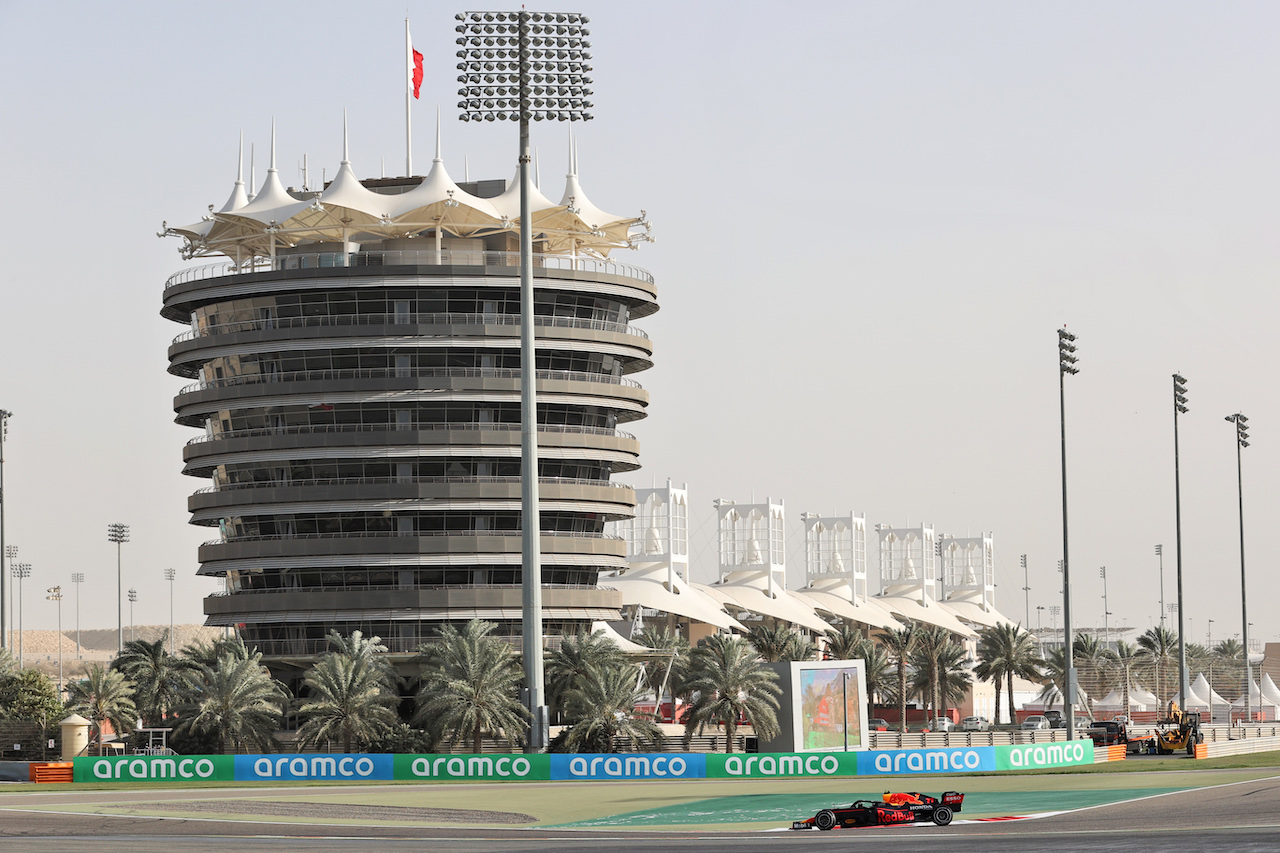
825,819
942,815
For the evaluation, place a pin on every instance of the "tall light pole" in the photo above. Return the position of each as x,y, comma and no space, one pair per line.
1040,626
55,594
5,414
133,599
1026,591
503,54
10,551
169,575
20,571
1066,365
1160,554
1106,609
1242,441
77,578
119,534
1179,408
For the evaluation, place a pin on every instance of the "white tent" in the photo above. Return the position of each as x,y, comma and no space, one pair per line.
1139,700
1195,700
1201,687
1269,690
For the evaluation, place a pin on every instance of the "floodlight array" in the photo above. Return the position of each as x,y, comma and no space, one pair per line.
523,66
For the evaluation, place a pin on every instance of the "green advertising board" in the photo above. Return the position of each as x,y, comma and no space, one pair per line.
498,768
1033,756
785,764
155,768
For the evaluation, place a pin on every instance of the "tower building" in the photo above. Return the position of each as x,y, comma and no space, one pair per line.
355,357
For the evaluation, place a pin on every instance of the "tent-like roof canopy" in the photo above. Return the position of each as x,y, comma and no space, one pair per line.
905,599
647,587
833,598
748,591
969,607
348,211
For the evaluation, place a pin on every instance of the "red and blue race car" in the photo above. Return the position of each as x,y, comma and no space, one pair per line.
894,810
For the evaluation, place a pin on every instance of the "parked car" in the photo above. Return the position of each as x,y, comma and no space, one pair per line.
940,724
975,724
1035,722
877,724
1056,720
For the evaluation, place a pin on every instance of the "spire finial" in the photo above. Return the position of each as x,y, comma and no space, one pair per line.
438,147
272,167
253,170
346,159
466,167
572,165
240,161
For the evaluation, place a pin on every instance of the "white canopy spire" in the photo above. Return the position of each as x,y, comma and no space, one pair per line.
237,199
272,167
439,156
346,156
253,172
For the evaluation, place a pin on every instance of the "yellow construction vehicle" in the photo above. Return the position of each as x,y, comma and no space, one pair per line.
1177,731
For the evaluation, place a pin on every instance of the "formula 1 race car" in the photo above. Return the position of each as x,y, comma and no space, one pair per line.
896,809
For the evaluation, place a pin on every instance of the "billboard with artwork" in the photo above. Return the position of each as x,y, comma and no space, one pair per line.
823,707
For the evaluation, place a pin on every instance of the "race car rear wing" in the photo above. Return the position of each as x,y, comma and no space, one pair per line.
952,800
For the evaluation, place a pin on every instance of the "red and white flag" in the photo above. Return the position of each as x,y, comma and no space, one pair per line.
416,72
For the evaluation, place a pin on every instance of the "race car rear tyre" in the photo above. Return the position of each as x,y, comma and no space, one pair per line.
825,819
942,815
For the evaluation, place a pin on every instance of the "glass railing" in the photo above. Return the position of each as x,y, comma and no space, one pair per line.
406,481
390,588
414,257
407,373
435,319
325,429
413,534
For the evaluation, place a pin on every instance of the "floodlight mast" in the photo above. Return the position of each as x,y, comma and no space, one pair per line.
1242,441
1066,365
519,66
1179,408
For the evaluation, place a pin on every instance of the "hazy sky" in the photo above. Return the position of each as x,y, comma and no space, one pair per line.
871,217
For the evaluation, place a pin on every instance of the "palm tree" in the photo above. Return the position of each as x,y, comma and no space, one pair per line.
1125,660
876,666
575,657
371,649
1005,651
603,703
898,644
1055,675
1160,651
468,686
1227,668
728,682
156,675
236,700
667,666
954,678
924,657
800,647
772,642
1092,660
350,698
844,642
105,694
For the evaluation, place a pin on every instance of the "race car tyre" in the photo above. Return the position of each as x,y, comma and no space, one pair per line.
942,815
825,819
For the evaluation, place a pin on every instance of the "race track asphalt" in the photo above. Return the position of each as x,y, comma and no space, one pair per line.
1240,816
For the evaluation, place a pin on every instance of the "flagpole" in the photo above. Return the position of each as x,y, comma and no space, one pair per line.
408,100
